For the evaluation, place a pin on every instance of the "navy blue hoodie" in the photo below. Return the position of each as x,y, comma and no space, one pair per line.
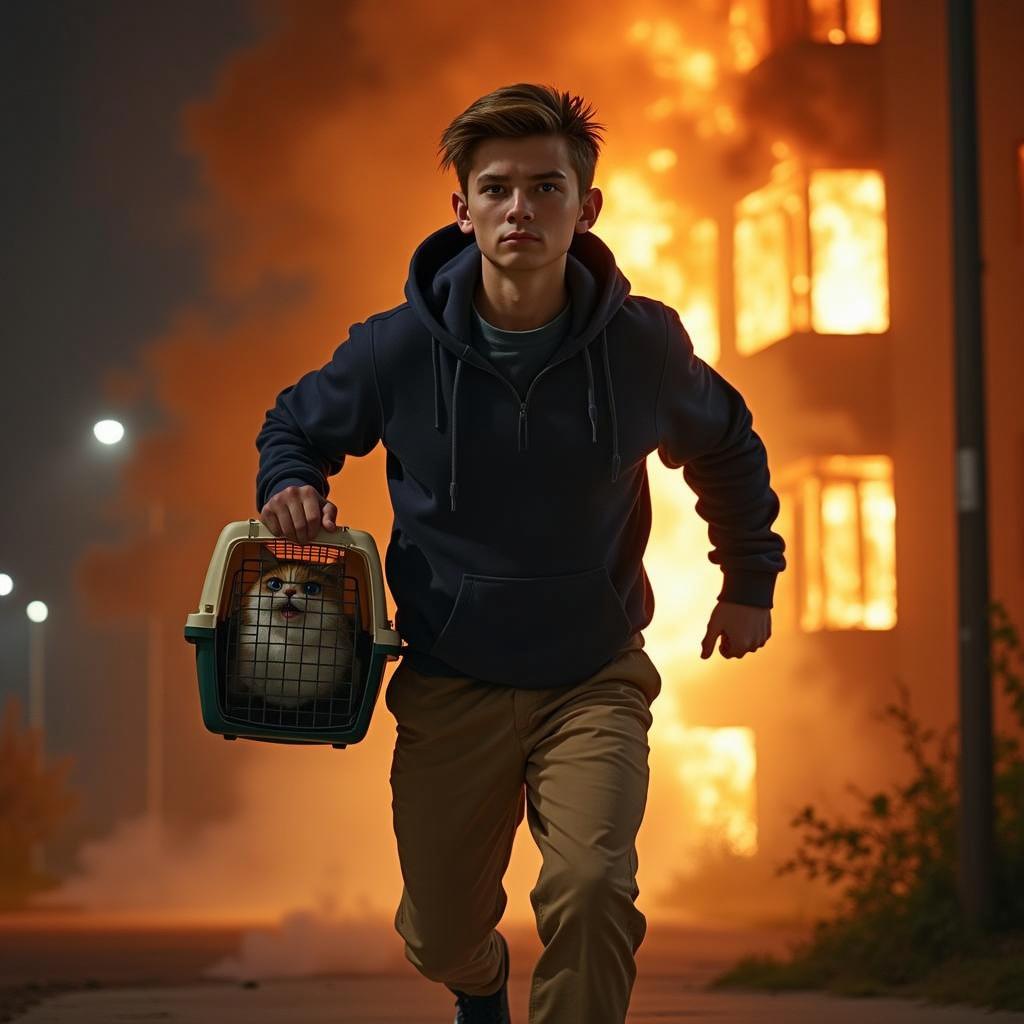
520,522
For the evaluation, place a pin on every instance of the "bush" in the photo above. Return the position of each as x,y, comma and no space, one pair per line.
898,919
33,802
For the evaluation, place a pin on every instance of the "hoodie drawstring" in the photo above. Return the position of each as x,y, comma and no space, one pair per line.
455,405
591,407
437,383
611,402
591,401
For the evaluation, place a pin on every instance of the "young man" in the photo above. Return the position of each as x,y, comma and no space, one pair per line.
518,392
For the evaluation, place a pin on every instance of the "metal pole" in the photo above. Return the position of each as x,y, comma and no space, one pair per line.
976,810
37,713
154,694
37,684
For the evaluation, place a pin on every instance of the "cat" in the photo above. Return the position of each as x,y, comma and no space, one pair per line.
295,638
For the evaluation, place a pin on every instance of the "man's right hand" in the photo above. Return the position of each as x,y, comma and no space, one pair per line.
296,513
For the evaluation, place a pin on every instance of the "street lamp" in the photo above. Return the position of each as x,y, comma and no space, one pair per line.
110,432
37,613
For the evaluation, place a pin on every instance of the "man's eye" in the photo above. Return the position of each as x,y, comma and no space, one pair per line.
486,188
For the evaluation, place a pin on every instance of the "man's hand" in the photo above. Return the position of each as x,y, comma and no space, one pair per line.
743,629
297,514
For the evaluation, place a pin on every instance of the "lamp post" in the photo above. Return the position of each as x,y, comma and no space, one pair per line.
155,695
37,613
976,824
111,432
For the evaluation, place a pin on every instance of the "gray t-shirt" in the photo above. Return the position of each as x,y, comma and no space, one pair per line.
520,355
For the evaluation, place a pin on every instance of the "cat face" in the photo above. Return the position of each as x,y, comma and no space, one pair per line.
293,594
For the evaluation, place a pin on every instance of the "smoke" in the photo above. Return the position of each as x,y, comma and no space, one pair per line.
317,154
314,942
309,829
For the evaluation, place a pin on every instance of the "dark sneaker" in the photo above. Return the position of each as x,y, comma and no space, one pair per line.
492,1009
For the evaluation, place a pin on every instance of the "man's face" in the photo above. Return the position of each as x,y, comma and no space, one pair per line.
524,185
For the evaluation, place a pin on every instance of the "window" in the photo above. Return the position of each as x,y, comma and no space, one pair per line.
756,27
810,253
840,513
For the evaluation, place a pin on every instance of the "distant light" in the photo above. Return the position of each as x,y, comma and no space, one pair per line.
37,611
6,584
108,431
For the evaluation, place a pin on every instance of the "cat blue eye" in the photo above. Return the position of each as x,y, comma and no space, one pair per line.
311,588
274,583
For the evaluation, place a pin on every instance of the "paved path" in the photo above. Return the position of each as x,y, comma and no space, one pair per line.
403,1000
140,974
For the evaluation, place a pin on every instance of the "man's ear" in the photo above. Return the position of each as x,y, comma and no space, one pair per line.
461,208
589,210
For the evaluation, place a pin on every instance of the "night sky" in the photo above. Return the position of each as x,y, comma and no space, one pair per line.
94,262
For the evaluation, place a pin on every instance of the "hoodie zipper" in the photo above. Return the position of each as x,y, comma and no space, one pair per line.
523,402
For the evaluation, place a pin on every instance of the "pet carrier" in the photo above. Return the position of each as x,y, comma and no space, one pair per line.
291,639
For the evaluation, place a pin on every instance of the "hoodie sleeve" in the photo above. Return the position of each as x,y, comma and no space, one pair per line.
315,423
704,426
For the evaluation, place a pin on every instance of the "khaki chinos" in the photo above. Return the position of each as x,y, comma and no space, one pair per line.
470,758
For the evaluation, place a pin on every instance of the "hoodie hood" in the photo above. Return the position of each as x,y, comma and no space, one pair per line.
443,276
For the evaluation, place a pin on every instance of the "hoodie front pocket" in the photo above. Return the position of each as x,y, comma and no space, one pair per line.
534,632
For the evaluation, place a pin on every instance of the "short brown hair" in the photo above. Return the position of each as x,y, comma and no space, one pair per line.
514,111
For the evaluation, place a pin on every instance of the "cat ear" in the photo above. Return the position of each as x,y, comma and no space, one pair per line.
268,555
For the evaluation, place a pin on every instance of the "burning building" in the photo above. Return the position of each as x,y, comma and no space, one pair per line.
817,276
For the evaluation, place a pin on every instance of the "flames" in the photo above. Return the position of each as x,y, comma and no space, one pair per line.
843,21
810,253
664,250
754,26
839,514
849,287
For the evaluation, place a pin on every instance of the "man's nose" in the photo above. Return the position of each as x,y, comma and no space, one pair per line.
520,209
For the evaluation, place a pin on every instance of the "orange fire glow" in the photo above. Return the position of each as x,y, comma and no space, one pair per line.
664,250
811,252
824,21
840,514
841,21
850,284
